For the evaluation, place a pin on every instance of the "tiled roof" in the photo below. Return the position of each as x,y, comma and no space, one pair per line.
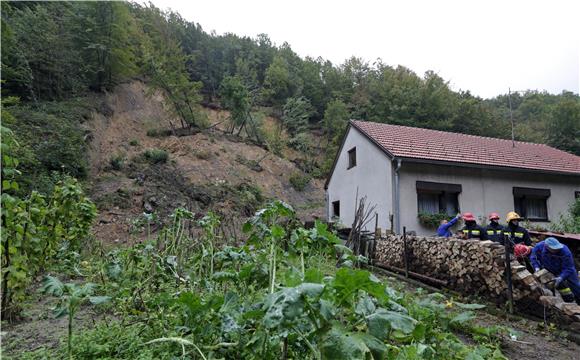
410,142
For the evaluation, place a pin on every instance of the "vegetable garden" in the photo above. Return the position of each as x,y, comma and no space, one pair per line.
287,292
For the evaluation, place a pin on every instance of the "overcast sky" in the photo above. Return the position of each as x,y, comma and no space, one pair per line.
484,46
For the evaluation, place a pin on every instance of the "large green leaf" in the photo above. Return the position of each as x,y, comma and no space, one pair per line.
287,305
52,286
339,344
463,317
383,321
469,306
96,300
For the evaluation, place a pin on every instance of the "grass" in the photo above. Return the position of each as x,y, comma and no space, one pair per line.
156,156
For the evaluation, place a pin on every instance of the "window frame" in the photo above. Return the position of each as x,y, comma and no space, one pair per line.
446,194
521,197
351,158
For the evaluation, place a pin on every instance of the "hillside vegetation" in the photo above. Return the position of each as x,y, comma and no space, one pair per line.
57,55
123,124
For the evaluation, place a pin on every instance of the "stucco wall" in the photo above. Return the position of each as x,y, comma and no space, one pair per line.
483,191
372,176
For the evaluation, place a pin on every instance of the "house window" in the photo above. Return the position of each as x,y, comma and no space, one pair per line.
336,209
352,158
531,204
434,198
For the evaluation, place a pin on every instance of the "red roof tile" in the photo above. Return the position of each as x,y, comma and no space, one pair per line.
418,143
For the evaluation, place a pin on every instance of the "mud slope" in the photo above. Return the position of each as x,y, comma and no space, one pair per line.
205,171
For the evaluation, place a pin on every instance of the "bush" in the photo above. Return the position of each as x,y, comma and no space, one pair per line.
569,222
156,156
432,221
116,162
299,181
158,132
134,142
202,154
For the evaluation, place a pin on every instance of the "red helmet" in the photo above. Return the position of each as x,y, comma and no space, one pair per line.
494,216
468,216
521,250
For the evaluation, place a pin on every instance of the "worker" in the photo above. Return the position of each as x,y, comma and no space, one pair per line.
471,229
514,231
443,229
494,231
555,257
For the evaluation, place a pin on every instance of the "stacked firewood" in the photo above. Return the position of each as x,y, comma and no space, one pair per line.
467,265
471,267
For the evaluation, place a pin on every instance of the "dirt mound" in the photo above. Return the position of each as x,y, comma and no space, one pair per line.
205,171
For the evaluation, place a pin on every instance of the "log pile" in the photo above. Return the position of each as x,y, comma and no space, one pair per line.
467,265
472,267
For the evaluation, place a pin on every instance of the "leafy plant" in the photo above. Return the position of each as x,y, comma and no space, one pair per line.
432,221
70,297
299,181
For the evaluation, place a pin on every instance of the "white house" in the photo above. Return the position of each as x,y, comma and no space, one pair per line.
406,171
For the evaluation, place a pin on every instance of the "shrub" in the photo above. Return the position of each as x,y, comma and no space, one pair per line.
570,222
116,162
432,221
202,154
156,156
158,132
299,181
134,142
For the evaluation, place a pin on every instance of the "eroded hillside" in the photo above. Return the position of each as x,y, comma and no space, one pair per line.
209,170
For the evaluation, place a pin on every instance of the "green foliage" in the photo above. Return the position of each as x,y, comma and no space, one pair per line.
70,297
116,162
432,221
51,140
569,222
564,129
156,156
336,118
299,181
34,227
297,111
235,97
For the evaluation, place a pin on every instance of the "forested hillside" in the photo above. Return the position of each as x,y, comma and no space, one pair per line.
56,56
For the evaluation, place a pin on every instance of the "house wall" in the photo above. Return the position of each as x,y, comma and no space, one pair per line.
483,191
371,175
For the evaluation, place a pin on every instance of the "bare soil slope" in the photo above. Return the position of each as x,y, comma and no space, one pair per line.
205,171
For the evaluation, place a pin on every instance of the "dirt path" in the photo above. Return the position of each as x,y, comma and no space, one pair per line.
532,343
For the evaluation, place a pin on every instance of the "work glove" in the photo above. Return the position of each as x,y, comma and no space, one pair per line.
557,281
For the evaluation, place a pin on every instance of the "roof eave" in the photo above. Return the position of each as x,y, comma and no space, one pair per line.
484,166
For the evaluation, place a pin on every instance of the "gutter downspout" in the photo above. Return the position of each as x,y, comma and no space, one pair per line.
397,196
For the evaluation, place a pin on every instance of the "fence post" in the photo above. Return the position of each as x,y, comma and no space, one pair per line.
508,273
405,254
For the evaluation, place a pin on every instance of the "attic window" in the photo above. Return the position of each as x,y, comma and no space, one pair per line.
352,158
336,209
532,204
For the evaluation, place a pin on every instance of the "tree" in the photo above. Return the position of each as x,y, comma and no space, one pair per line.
165,64
297,111
277,82
109,39
564,129
336,118
236,98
